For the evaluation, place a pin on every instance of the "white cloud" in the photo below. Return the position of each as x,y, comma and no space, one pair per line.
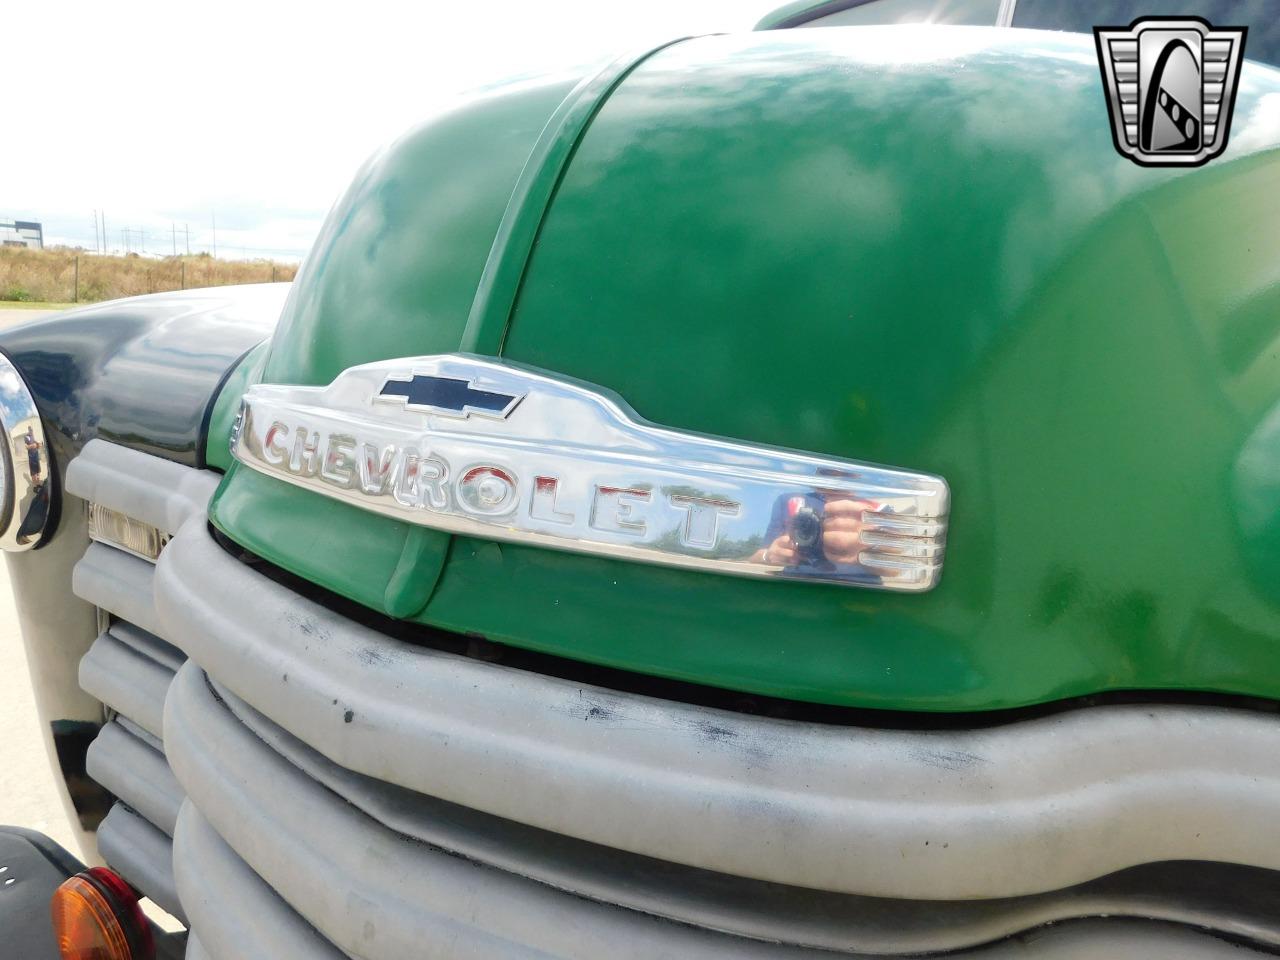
166,113
10,384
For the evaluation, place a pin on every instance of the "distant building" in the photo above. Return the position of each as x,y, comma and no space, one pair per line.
21,233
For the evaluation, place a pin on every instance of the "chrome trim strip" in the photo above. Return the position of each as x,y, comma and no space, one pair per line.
1004,16
570,466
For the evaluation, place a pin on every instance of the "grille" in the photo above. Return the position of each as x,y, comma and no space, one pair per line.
296,785
129,668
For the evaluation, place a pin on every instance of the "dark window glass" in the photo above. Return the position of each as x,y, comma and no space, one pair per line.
1262,17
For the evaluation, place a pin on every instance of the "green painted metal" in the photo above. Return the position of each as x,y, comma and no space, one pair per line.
397,264
504,269
353,553
226,406
916,250
394,272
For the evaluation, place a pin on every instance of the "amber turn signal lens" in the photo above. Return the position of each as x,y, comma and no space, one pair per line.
96,917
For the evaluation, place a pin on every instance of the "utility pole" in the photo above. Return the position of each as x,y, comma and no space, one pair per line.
186,232
96,246
215,235
174,228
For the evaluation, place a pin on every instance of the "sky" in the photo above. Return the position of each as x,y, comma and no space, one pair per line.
177,119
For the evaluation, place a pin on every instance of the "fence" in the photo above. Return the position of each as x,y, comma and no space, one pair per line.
70,276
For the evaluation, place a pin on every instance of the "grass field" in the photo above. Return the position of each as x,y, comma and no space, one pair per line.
61,276
33,305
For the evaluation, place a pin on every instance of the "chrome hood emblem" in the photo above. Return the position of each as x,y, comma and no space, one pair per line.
485,448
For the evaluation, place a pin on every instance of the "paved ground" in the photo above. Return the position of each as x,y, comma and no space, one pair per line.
28,797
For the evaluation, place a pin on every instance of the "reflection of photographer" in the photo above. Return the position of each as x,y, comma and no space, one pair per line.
33,454
820,530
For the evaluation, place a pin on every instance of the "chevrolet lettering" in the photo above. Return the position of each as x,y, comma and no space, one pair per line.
476,446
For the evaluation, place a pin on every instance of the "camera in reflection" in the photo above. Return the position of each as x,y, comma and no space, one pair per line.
805,527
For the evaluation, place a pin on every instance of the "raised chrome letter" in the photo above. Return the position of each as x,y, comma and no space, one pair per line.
702,518
489,491
375,467
614,509
338,460
420,481
273,451
542,504
304,459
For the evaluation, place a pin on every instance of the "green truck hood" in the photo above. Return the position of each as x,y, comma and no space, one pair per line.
911,247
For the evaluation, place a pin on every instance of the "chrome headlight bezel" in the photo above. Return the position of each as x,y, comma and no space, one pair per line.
26,499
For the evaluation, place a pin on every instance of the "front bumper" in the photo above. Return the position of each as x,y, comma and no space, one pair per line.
347,793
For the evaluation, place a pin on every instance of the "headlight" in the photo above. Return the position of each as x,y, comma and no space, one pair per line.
27,488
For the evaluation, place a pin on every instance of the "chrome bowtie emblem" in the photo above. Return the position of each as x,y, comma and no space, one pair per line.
448,396
485,448
1171,86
